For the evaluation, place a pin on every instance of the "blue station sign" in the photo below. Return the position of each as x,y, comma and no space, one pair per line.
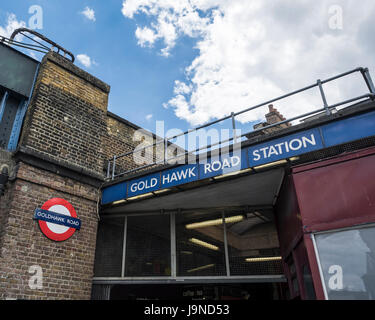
144,185
286,147
180,175
331,134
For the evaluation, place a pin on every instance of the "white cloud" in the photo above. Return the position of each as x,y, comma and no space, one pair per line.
181,88
146,36
252,51
85,60
12,24
148,117
89,13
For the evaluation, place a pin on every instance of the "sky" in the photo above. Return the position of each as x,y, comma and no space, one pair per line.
188,62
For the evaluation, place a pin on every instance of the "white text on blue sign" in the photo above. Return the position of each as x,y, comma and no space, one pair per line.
285,148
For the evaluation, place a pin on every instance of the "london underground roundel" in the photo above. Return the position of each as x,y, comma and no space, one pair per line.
57,219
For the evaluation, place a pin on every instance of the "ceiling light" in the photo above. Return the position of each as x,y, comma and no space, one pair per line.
186,252
262,259
234,173
204,244
161,191
202,267
118,202
271,164
214,222
140,196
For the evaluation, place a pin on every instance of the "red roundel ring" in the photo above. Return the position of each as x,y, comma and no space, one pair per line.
43,224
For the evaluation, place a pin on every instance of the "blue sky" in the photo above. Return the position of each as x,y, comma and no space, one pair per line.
187,62
141,80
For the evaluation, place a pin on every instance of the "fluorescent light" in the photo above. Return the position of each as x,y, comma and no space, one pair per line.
294,158
204,244
215,222
202,267
118,202
234,173
262,259
186,252
271,164
141,196
161,191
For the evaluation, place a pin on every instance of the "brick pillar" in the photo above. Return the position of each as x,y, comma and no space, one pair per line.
60,154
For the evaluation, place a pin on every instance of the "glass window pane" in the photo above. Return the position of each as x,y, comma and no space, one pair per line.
108,255
347,259
200,245
253,246
148,246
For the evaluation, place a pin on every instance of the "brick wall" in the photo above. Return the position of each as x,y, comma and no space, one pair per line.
60,154
67,266
66,119
121,138
66,138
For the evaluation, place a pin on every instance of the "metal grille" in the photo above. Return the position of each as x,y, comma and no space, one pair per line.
253,247
260,263
148,246
200,250
109,243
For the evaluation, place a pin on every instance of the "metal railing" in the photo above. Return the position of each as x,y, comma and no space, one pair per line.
111,167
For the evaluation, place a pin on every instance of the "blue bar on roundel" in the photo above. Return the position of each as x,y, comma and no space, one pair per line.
57,218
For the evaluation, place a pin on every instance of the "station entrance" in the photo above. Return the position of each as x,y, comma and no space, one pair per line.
207,291
215,241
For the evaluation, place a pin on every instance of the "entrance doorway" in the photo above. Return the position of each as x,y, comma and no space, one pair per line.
191,255
186,292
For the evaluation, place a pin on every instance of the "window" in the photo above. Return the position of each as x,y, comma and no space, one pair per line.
253,245
109,248
148,246
187,245
347,260
200,245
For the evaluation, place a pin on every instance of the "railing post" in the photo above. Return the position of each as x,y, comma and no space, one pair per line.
366,75
234,127
165,149
108,168
114,167
319,82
